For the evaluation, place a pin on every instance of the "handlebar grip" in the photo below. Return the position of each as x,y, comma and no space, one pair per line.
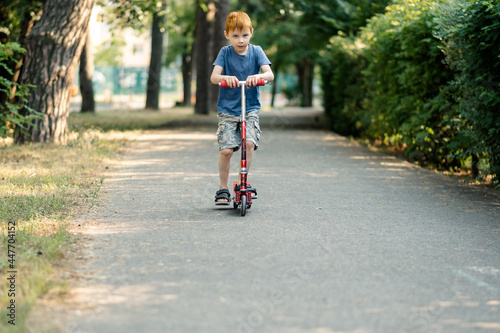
260,82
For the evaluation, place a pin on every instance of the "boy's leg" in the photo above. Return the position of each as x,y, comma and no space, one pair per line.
227,138
224,167
250,151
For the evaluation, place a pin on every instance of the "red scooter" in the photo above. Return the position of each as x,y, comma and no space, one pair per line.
243,197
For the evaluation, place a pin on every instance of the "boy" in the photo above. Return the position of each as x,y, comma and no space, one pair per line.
240,61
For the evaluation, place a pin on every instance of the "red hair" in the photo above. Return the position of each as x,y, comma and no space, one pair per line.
238,21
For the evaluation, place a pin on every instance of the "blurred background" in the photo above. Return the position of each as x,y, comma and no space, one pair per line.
418,78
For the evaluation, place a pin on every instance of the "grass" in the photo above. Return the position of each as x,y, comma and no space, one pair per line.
43,186
123,120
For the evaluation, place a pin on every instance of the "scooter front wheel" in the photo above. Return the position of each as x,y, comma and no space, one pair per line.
243,205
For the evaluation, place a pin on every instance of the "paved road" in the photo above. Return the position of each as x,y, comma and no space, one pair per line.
341,239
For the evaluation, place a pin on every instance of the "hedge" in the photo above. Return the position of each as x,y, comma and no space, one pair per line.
421,77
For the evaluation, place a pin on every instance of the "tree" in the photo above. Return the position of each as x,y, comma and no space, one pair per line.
279,29
139,14
307,26
181,27
52,52
86,74
222,10
155,64
204,29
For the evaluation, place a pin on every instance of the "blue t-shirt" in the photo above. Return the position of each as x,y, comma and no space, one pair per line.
240,66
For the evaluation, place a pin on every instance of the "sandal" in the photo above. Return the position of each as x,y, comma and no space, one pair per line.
222,194
249,189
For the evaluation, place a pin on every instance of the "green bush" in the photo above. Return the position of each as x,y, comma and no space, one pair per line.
342,84
470,31
425,77
407,99
10,112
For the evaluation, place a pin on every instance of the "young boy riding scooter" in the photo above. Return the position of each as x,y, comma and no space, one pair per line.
240,61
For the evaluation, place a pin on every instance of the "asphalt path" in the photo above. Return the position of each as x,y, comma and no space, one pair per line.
341,239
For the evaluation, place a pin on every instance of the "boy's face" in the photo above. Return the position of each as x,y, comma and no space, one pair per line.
239,39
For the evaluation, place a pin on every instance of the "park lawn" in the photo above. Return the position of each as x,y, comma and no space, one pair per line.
43,187
123,120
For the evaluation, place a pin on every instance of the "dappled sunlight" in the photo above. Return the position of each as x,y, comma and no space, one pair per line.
492,326
96,295
332,137
371,157
93,227
322,175
176,135
125,176
159,221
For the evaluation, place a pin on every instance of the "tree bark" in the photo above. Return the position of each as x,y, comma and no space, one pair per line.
203,36
305,70
155,64
223,8
186,77
86,74
52,52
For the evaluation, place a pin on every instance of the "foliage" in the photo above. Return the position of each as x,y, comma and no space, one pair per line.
406,99
181,18
341,66
324,19
295,32
110,52
16,113
136,14
423,77
12,13
470,32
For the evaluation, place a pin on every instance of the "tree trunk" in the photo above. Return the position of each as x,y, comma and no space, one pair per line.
275,84
186,77
155,64
86,74
52,52
203,64
305,70
223,9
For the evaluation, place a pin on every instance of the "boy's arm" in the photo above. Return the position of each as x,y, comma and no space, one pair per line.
217,77
267,74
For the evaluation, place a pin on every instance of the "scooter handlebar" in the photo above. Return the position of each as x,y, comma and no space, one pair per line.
260,82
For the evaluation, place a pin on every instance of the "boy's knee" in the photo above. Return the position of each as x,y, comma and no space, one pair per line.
250,145
226,153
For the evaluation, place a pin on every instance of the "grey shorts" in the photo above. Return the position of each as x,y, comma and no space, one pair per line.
229,134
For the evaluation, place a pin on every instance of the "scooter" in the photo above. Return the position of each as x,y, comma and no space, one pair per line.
243,197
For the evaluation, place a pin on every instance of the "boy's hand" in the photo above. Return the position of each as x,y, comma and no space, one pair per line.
232,81
252,81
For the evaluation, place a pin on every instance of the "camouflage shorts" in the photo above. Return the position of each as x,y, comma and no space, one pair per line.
229,134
